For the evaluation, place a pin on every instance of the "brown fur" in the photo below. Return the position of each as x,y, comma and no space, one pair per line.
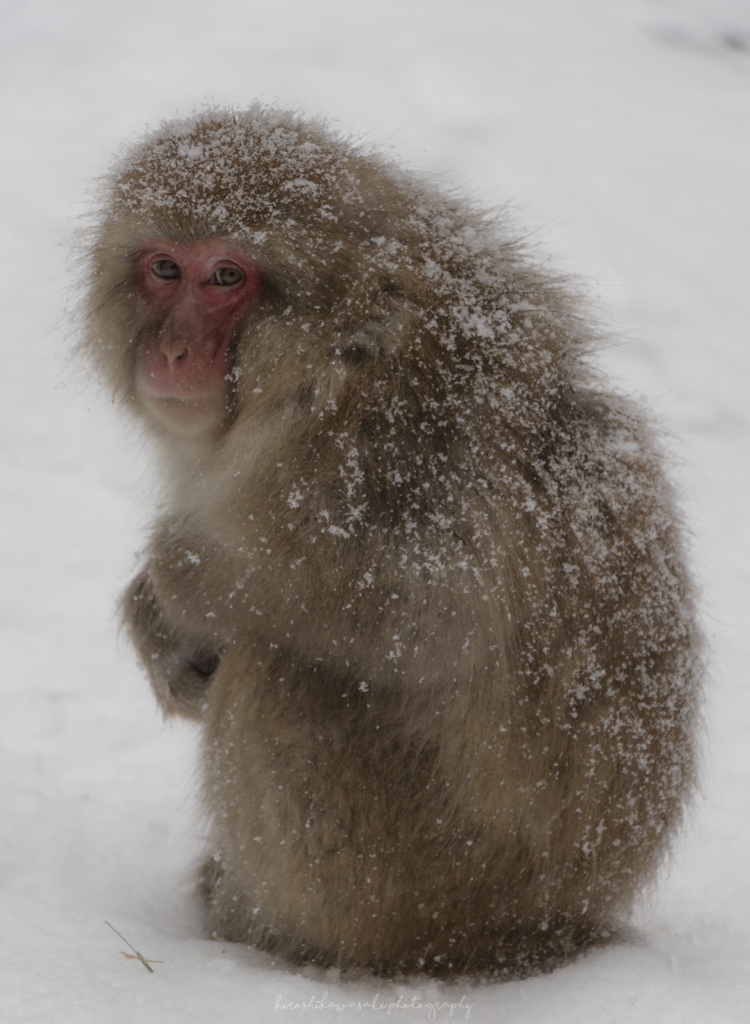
424,588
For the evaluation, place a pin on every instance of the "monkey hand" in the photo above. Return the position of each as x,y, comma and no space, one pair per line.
179,668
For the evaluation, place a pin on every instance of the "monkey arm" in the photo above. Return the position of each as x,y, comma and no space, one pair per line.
180,667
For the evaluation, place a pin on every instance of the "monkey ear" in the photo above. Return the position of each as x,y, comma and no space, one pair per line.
365,346
380,332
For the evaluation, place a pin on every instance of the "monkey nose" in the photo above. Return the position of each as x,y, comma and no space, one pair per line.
174,349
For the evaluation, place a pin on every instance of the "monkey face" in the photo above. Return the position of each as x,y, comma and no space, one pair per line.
196,295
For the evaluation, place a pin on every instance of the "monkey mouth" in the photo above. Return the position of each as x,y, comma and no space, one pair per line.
184,414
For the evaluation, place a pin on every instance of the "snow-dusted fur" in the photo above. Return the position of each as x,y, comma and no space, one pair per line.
424,589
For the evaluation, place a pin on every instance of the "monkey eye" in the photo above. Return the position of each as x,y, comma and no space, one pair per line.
167,269
227,276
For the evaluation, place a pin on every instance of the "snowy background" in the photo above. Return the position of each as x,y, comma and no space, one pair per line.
620,131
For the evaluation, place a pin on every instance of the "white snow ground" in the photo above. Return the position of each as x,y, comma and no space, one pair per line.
621,130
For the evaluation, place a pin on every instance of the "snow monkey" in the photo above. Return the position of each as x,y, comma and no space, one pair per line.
418,575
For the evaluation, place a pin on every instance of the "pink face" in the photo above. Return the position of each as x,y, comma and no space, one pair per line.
199,292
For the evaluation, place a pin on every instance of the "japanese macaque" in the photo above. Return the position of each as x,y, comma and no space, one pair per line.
418,575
